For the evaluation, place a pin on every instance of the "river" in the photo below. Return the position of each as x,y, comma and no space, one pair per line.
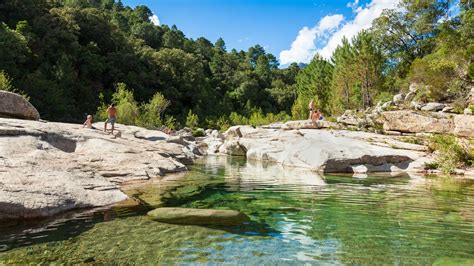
298,217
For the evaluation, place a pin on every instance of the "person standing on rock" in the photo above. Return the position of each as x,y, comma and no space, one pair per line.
311,109
112,116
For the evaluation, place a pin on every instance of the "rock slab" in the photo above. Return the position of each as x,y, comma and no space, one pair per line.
47,168
428,122
198,216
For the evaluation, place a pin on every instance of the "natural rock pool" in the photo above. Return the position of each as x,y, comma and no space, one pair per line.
297,216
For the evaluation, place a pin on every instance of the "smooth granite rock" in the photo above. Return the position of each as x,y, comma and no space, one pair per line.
198,216
47,168
15,106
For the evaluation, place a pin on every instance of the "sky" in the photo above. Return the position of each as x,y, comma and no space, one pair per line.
292,30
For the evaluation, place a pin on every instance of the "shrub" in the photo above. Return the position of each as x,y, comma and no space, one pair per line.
198,132
222,124
150,113
192,120
127,107
6,85
451,154
237,119
170,122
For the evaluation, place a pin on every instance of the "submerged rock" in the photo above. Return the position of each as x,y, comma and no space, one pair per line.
198,216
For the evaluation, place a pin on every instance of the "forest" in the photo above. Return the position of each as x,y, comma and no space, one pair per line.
71,58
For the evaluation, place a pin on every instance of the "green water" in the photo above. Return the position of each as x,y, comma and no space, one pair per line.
297,216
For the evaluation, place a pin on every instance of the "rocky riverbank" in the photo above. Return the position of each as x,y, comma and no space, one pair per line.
327,150
47,168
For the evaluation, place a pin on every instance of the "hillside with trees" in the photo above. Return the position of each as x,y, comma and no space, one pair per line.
72,57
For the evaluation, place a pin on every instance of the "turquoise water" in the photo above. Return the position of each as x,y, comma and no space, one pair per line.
298,217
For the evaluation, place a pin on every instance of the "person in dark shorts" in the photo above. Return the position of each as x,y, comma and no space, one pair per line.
112,117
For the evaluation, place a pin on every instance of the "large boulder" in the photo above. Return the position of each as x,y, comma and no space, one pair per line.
198,216
13,105
463,125
414,122
428,122
327,151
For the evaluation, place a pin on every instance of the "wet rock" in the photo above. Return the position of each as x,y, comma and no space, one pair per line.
198,216
15,106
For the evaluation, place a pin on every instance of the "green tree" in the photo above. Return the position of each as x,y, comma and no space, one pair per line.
313,83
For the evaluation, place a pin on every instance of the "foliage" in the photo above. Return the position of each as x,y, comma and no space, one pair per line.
65,54
450,154
151,112
192,120
127,108
313,83
6,85
170,122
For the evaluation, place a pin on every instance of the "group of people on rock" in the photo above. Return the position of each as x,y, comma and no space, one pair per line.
112,117
314,116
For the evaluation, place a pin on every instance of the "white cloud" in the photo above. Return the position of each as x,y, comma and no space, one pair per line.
353,5
303,47
155,20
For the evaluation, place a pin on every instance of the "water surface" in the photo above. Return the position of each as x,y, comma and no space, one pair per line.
298,217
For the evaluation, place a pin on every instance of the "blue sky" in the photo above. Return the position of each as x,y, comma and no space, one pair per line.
294,26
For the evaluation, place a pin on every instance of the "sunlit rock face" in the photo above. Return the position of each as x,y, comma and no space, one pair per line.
429,122
324,150
47,168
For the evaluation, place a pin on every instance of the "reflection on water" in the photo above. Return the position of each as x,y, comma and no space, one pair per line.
297,216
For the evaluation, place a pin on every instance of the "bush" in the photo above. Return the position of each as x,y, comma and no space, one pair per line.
192,120
150,113
6,85
170,122
198,132
127,107
451,154
129,113
222,124
237,119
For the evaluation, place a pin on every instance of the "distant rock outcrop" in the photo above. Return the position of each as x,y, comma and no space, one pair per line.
428,122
